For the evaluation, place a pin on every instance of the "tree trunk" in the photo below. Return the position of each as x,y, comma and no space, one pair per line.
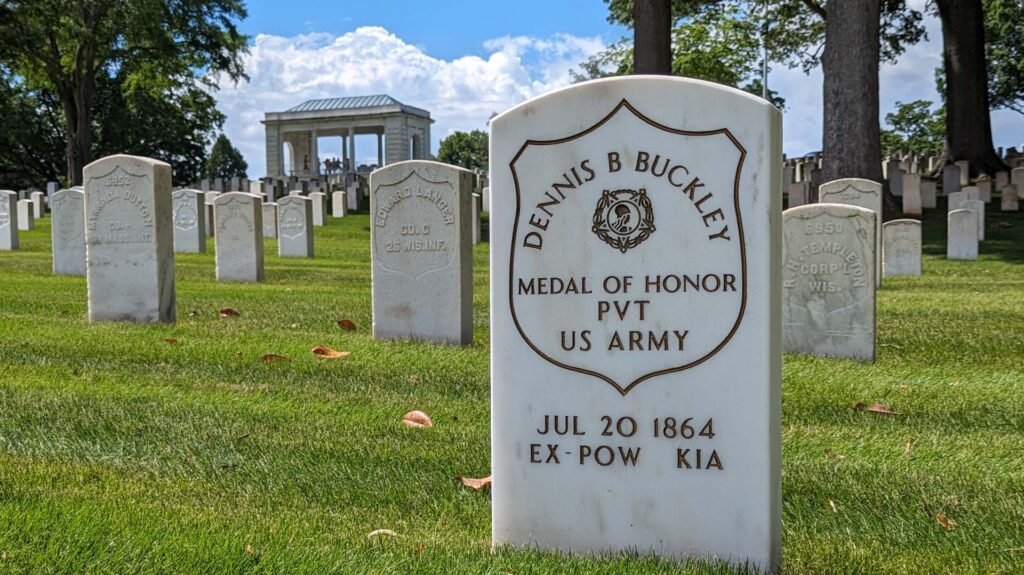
968,127
652,37
849,64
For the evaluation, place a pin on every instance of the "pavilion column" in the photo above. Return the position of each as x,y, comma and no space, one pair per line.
380,149
352,149
315,152
344,152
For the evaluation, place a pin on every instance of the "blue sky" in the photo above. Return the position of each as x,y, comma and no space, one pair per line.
464,61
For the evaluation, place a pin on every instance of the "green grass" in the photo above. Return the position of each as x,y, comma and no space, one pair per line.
120,453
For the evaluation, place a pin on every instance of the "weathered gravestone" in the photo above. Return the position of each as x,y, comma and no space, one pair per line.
339,205
828,301
970,193
962,235
269,220
129,240
239,247
901,247
954,200
189,221
928,195
421,245
67,208
1017,178
984,185
478,202
295,227
865,194
950,179
978,207
209,198
635,299
911,195
38,205
1008,202
1002,178
8,220
26,215
965,172
319,200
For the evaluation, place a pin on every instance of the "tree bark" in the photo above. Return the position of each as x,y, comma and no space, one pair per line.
968,126
849,64
652,37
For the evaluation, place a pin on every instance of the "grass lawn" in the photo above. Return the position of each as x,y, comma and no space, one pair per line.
122,453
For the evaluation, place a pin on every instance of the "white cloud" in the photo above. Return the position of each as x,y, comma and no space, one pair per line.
460,94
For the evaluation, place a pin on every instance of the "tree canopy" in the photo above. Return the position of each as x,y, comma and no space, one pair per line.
465,149
225,161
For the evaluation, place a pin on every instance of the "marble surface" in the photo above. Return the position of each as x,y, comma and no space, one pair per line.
912,204
8,220
129,240
239,245
962,235
339,205
269,220
901,247
978,207
68,232
26,215
38,204
319,200
295,227
421,246
634,303
828,285
1009,202
929,199
865,194
189,212
950,179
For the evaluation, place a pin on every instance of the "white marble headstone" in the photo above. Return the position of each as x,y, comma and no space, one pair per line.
970,193
911,195
339,205
984,186
1009,202
797,193
38,205
828,301
295,227
67,208
978,207
954,200
26,215
965,172
421,246
129,240
269,220
189,221
865,194
901,247
319,200
1002,178
635,361
928,195
962,235
478,202
950,179
8,220
239,246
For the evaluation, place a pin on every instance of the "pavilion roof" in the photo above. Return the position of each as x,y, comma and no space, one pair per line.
346,103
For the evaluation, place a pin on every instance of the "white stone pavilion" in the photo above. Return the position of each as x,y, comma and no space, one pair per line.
403,133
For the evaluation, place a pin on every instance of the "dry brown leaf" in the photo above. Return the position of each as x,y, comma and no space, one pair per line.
834,455
417,419
832,504
414,380
238,354
475,484
242,437
193,313
875,408
249,549
324,352
347,324
909,446
944,521
274,357
229,312
381,533
228,465
170,340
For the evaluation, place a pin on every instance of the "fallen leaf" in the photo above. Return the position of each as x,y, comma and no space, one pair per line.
875,408
193,313
274,357
324,352
417,419
475,484
414,380
419,549
228,465
347,324
170,340
832,504
954,502
381,533
238,354
908,446
248,549
295,326
242,437
834,455
229,312
944,521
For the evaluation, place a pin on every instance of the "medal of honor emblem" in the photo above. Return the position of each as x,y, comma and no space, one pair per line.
624,218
